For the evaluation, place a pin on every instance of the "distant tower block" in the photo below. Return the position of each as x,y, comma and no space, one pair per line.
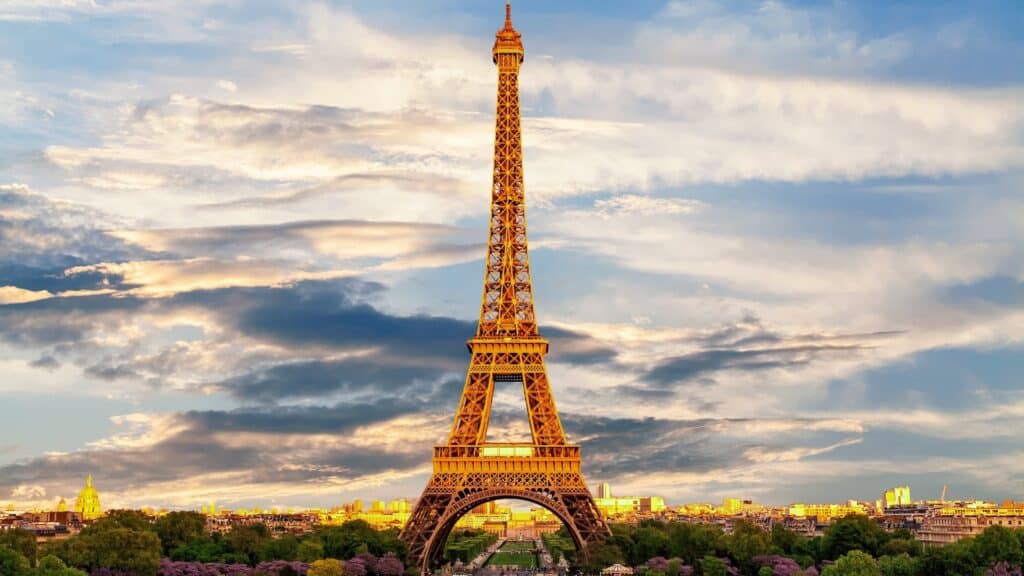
88,502
507,349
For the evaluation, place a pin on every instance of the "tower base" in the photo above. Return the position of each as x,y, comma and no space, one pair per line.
466,477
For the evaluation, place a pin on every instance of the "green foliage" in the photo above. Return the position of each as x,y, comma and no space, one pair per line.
357,536
559,546
650,541
202,549
21,541
465,545
13,563
955,559
901,565
177,529
765,571
245,541
712,566
602,555
326,567
898,546
853,533
130,519
854,563
284,548
746,542
786,540
311,549
53,566
112,545
691,542
998,544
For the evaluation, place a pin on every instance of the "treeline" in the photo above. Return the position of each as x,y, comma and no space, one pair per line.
465,545
856,545
129,543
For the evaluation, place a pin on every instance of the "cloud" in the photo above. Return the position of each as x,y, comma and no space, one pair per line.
26,491
340,240
15,295
167,277
317,449
645,205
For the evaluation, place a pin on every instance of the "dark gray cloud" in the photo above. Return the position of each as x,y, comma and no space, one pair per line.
265,445
42,237
251,444
749,347
46,362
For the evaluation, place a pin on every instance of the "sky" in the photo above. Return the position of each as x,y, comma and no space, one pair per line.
777,247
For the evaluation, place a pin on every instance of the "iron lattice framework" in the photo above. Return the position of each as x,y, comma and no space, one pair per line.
468,471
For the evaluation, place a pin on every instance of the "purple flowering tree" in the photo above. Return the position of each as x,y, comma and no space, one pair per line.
355,567
390,565
281,568
1003,569
780,565
370,561
658,564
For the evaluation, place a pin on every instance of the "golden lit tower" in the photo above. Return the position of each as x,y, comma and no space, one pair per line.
467,470
88,501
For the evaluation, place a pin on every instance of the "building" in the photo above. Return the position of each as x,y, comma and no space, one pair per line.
611,506
825,513
898,496
88,502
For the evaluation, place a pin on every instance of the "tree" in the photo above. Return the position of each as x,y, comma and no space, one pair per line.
658,564
284,548
390,565
854,563
355,567
898,546
997,544
603,555
955,558
650,542
52,566
747,542
711,566
203,549
22,542
900,565
310,550
179,528
13,563
112,546
691,542
1003,569
326,567
785,539
853,533
131,519
246,541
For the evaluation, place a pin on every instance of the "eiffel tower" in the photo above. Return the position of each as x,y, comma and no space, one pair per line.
469,471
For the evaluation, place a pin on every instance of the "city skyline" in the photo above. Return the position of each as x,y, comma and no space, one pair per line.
777,250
